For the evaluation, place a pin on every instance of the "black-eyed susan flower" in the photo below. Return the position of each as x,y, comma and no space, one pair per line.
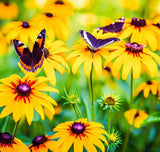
54,25
8,10
8,144
3,45
141,31
22,31
84,54
42,143
54,54
147,87
61,8
132,56
135,117
110,101
80,133
25,94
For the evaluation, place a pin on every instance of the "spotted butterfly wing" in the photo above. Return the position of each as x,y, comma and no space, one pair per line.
95,43
30,61
115,27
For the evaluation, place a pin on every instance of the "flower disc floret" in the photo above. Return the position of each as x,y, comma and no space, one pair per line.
5,138
23,89
39,140
137,22
25,25
78,128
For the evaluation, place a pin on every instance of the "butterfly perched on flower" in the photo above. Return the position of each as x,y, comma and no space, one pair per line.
31,60
95,43
115,27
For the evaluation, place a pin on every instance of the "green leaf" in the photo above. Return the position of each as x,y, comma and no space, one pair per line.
154,117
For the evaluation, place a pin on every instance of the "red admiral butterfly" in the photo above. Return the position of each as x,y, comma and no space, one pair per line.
30,61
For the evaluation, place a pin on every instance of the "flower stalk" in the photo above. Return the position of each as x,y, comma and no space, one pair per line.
76,110
130,106
91,89
15,129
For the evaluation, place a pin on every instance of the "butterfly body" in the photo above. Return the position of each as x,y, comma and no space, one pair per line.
94,43
30,61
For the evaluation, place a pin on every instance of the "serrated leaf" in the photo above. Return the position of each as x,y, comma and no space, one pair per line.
154,117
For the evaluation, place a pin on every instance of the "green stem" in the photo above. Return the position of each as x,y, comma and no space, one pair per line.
131,90
126,139
130,107
146,132
91,87
78,110
108,120
15,129
75,110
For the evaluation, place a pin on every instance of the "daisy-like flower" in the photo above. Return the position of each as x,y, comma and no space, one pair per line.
132,56
135,117
80,133
141,31
54,25
84,54
54,54
71,97
114,139
61,8
146,87
3,45
42,143
25,94
110,101
22,30
8,10
8,144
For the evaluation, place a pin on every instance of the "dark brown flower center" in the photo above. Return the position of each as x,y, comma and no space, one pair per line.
6,3
110,101
46,52
23,90
59,2
49,14
78,128
107,68
134,47
5,138
91,50
39,140
137,22
25,25
149,82
136,115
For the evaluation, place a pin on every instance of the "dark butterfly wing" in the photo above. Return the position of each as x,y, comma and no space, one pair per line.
115,27
37,53
88,38
25,56
104,42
